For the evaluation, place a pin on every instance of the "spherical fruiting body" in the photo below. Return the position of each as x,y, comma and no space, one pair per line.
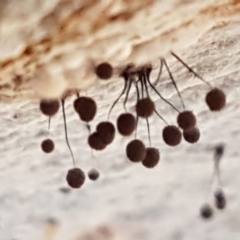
145,107
47,145
186,120
126,124
86,108
136,150
104,70
106,131
215,99
95,142
75,177
49,107
219,149
206,211
152,157
172,135
220,199
93,174
192,135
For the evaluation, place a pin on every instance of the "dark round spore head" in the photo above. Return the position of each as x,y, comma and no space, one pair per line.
104,70
93,174
136,150
219,150
106,132
215,99
192,135
152,157
49,107
75,177
86,108
186,120
145,107
220,199
126,124
172,135
95,142
206,211
47,145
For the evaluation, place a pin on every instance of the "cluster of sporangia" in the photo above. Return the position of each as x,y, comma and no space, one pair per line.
127,122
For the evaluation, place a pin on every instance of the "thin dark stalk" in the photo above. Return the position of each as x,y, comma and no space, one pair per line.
159,115
149,136
138,97
127,93
126,83
218,154
137,118
217,170
159,75
88,128
137,90
145,84
215,173
190,69
146,79
174,82
141,82
66,134
165,100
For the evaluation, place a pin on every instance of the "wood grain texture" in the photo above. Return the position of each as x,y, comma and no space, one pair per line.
52,46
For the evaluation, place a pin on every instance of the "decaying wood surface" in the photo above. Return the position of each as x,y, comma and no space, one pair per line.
47,47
